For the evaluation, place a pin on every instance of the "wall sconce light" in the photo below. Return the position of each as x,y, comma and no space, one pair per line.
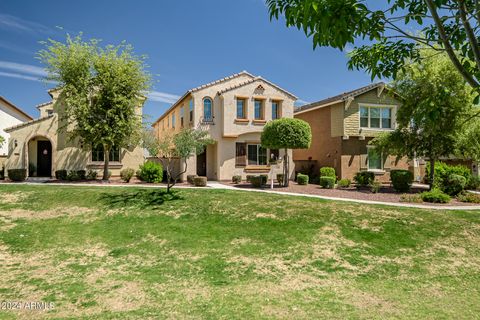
15,143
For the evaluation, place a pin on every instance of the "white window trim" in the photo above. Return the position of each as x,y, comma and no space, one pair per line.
382,170
376,105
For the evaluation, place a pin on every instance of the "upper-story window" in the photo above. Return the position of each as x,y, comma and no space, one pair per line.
275,110
241,109
207,109
49,112
173,120
191,109
376,117
181,116
258,109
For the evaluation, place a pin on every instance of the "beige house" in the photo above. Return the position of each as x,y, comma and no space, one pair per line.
10,115
42,146
343,125
234,110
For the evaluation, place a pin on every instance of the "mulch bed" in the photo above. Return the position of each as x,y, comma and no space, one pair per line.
117,181
386,193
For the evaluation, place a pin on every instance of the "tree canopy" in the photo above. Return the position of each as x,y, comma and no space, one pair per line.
468,141
101,88
436,105
380,31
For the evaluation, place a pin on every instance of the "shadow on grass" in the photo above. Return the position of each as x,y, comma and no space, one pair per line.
142,199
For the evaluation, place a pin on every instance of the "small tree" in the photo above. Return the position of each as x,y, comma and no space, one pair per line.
436,103
101,88
286,133
172,147
468,142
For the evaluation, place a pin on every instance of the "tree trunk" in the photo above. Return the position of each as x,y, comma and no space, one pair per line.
286,170
106,156
432,173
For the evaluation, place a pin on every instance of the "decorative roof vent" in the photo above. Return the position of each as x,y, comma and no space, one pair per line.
259,90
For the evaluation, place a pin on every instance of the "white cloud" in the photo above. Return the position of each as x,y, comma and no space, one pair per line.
23,68
163,97
18,76
301,102
11,22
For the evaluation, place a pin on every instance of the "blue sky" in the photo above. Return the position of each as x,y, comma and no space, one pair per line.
188,43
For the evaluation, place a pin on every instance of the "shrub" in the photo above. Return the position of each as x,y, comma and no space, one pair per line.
412,198
127,174
344,183
473,183
237,179
190,178
327,182
302,179
264,178
468,197
91,175
280,177
82,174
31,169
401,180
327,172
364,178
257,181
17,174
151,172
443,170
73,175
2,174
453,184
375,186
61,174
200,181
435,196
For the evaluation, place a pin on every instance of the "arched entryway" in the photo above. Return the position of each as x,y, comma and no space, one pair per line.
39,157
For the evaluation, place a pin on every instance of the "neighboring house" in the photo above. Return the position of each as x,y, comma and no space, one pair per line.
343,125
10,115
44,146
234,110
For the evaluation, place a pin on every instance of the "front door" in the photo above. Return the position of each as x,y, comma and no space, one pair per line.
44,159
202,164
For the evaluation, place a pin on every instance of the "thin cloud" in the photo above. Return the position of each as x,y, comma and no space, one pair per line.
301,102
163,97
20,25
23,68
22,76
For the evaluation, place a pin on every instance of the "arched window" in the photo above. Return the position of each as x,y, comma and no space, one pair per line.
207,109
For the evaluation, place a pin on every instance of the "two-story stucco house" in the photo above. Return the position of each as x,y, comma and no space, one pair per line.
43,145
234,110
10,115
342,127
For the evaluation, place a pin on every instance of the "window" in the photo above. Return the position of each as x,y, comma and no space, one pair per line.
376,117
375,159
207,109
274,154
241,114
240,154
258,109
191,110
98,155
256,154
181,116
275,110
173,120
49,112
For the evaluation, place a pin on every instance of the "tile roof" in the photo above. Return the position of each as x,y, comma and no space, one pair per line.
252,81
43,104
340,97
21,125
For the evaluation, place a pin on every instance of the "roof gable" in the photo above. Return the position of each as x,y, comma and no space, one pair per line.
15,108
257,79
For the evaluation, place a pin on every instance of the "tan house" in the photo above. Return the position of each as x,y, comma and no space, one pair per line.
343,125
234,110
42,146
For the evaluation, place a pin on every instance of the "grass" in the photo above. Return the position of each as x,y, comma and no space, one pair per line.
116,253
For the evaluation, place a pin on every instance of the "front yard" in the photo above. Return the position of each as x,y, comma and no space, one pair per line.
139,253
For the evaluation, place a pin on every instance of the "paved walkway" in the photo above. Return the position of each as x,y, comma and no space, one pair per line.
218,185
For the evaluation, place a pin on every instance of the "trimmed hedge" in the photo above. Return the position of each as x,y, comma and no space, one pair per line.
190,178
151,172
468,197
127,174
454,184
73,175
61,174
328,172
17,174
344,183
401,180
82,174
2,174
280,178
92,175
302,179
364,178
327,182
200,181
237,179
473,183
443,170
258,181
435,196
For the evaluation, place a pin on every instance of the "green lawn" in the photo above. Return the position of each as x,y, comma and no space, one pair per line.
138,253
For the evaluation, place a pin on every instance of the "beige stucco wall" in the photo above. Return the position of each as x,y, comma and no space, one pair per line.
67,154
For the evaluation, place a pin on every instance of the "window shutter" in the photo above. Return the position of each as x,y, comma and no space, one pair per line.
363,162
240,154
